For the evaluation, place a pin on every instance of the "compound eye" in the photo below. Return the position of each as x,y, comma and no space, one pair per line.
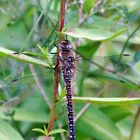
70,46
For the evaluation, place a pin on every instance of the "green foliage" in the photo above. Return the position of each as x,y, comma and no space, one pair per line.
108,101
88,5
117,113
98,125
92,34
99,32
7,132
24,58
45,131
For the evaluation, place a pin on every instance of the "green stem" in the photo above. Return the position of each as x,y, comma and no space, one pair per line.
127,41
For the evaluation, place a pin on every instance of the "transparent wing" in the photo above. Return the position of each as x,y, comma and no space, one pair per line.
108,63
15,89
99,61
26,84
107,68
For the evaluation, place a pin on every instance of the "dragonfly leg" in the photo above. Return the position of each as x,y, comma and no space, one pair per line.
16,53
55,45
53,52
55,66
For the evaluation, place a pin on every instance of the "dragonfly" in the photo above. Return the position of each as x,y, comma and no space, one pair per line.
68,67
97,65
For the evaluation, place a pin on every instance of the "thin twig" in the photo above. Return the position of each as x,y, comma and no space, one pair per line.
81,112
92,11
127,42
39,85
84,109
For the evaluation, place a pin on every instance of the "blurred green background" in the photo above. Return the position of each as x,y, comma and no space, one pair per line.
99,31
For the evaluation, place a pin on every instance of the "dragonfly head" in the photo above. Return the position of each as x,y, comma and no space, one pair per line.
65,45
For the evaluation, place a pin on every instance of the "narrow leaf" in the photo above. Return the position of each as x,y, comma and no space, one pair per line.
41,131
92,34
108,101
22,57
95,124
55,131
41,49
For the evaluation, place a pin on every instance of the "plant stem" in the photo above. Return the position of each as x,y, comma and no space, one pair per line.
57,70
62,14
127,41
81,112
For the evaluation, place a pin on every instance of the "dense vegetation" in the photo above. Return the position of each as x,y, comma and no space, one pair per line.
106,39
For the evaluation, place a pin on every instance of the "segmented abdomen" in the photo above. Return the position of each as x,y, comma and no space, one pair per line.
70,110
67,65
67,76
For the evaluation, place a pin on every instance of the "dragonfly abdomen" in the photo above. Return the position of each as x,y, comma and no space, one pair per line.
70,110
66,60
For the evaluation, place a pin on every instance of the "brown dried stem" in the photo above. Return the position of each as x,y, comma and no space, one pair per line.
57,70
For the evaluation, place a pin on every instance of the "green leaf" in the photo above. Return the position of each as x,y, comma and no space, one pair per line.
8,133
23,58
45,131
29,110
13,36
55,131
117,113
32,53
92,48
21,114
41,131
45,53
88,5
41,49
108,101
94,124
126,126
112,77
123,38
92,34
